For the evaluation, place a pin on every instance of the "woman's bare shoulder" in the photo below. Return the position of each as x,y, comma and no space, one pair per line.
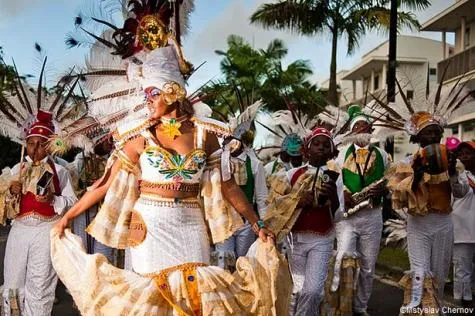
134,148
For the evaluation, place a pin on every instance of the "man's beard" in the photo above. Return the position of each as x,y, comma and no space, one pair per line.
362,139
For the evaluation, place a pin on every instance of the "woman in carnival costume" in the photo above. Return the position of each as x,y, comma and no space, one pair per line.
164,168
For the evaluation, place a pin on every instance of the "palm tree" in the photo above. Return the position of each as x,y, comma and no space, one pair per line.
7,74
251,74
10,150
348,18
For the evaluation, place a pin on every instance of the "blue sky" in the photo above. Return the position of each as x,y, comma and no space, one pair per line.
24,22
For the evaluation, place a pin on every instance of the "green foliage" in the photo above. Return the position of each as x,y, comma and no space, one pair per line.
251,74
7,74
339,18
10,153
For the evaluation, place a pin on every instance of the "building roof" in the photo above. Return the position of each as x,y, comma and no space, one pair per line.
449,19
408,51
364,68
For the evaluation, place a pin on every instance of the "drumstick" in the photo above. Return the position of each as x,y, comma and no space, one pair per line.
22,156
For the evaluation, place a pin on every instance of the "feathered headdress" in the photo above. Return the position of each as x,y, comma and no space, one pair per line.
241,123
143,52
28,112
288,127
437,108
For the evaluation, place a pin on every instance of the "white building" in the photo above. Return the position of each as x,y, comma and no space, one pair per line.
417,71
459,19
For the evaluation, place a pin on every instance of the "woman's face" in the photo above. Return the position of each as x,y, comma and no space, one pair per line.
156,103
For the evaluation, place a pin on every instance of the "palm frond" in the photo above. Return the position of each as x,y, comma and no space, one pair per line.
301,17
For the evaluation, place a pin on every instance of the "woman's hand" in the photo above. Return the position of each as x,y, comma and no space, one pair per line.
265,234
61,225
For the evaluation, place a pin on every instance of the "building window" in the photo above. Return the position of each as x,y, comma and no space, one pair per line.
433,71
376,82
467,36
410,95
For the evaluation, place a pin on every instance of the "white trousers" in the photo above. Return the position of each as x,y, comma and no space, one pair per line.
80,224
28,270
360,236
463,267
237,245
309,260
429,243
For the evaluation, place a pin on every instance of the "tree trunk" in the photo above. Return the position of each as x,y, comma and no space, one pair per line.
332,89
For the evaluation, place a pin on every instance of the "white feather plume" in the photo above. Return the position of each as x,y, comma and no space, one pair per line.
247,116
397,229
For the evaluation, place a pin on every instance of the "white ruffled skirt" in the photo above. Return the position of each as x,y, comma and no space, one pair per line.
171,274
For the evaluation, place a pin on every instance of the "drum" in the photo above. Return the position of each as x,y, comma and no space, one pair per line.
435,158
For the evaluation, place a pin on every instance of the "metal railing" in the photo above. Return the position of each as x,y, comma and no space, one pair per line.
457,64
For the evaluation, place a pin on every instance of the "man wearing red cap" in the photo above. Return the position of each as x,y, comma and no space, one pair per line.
38,194
463,219
302,210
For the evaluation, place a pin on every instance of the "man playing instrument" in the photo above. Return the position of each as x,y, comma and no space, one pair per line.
358,236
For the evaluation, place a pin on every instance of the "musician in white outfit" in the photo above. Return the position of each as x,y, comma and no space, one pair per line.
359,235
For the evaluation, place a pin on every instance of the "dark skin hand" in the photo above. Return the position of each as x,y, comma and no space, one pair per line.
429,135
36,150
349,201
378,192
452,163
15,187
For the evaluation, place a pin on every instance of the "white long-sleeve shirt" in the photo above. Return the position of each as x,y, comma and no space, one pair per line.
463,205
260,187
67,198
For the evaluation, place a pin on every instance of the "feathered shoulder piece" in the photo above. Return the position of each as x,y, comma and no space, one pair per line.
130,129
213,126
242,122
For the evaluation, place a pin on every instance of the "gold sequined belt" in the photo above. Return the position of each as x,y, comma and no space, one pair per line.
156,200
38,216
183,187
181,267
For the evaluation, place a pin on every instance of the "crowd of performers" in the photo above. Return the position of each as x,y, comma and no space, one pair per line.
206,227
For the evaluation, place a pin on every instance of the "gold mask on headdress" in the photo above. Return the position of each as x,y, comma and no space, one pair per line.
152,33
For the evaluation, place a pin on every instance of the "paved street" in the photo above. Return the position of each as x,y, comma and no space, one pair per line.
385,300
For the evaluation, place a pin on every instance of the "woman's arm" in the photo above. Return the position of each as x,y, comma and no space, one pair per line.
235,196
91,198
